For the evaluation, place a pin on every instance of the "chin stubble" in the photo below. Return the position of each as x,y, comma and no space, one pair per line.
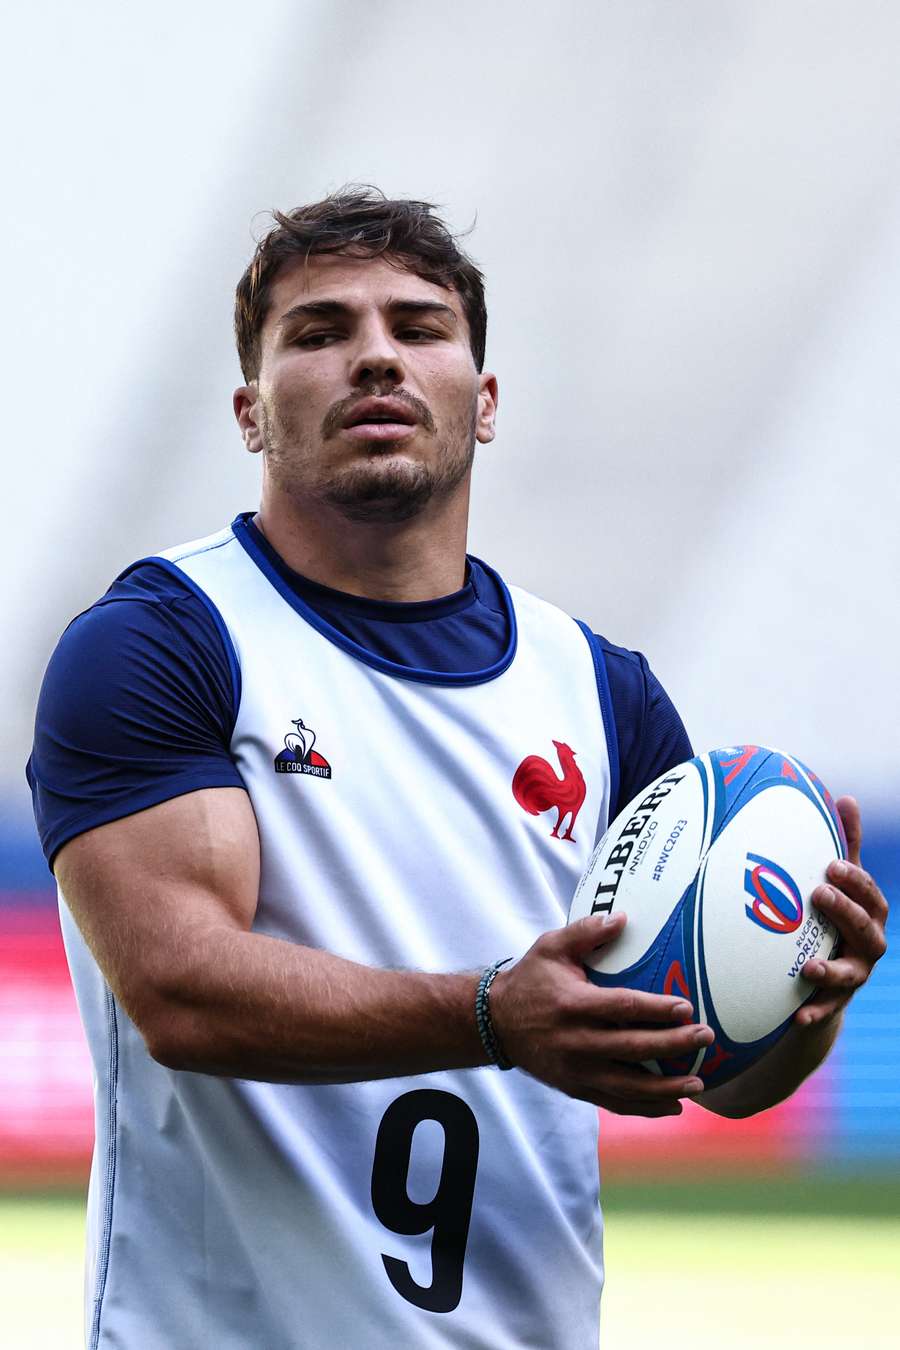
389,493
380,490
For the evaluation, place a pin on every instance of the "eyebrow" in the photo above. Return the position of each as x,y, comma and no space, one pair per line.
335,309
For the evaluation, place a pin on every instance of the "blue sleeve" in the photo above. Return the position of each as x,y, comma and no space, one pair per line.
650,734
137,706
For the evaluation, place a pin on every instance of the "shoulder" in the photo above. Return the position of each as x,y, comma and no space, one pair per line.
148,615
629,673
651,735
137,704
151,586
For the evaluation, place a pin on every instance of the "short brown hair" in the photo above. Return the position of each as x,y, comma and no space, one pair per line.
362,222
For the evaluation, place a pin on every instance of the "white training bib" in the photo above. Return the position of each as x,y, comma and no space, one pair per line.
406,820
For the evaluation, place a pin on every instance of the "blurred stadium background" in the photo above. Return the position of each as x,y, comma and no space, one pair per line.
689,218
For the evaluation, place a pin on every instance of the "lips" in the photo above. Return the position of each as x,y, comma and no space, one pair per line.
380,412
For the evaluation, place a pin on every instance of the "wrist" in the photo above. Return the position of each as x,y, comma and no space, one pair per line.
487,1031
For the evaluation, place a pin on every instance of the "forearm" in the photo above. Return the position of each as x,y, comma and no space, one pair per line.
247,1006
778,1074
166,900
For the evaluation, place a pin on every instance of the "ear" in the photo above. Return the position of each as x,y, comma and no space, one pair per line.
488,396
245,402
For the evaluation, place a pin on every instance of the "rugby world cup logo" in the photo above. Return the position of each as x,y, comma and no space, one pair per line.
777,905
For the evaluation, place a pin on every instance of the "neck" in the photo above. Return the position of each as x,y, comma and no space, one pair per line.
419,559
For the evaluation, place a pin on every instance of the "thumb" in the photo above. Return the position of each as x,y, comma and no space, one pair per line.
579,939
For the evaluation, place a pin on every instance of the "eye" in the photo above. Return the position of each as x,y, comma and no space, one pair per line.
316,340
418,334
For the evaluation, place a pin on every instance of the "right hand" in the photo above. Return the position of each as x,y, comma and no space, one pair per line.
587,1041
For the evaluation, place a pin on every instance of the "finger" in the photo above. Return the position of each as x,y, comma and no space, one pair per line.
636,1045
863,934
622,1106
620,1080
836,982
630,1006
848,810
820,1009
860,886
844,974
577,940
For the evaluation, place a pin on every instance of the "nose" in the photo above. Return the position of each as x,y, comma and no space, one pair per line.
376,360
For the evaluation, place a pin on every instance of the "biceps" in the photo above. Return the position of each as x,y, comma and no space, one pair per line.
145,888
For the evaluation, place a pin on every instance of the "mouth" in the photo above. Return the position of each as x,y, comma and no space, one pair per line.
380,419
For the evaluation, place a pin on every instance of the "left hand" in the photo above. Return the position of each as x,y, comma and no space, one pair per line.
856,906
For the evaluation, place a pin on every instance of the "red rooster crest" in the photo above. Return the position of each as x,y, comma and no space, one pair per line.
536,788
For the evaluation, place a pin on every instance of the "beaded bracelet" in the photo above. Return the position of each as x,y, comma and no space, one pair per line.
483,1017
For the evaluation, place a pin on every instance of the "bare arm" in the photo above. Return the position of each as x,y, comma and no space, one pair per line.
166,898
777,1075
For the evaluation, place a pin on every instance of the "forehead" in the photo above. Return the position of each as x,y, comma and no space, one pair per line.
358,282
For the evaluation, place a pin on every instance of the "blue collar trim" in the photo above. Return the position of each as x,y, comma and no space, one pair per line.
245,536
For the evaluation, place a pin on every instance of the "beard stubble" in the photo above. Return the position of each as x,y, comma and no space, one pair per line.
379,488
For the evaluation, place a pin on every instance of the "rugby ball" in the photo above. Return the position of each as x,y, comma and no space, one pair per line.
714,864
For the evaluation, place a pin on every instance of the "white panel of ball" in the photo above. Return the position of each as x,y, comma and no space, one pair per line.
755,975
663,847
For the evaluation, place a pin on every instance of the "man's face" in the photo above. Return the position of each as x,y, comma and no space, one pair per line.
367,397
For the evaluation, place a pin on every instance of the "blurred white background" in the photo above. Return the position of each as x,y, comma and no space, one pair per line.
689,219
